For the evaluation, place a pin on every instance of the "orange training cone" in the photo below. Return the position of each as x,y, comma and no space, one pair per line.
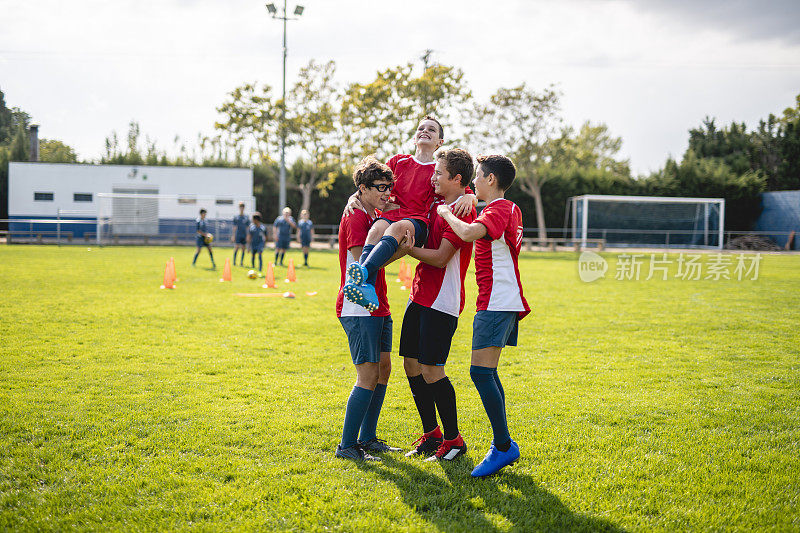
172,269
402,271
290,275
269,279
226,271
168,284
408,276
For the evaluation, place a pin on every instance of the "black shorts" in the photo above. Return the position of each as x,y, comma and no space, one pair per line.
427,334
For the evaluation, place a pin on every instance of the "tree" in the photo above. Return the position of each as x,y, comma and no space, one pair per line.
314,128
20,144
381,116
521,124
251,118
53,151
592,147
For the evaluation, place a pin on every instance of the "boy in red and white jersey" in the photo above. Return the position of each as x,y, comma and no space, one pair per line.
431,317
408,212
369,334
497,234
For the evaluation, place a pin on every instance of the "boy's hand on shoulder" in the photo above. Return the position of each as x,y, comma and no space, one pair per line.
353,204
464,205
444,211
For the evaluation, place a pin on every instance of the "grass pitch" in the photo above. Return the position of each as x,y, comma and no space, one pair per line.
638,405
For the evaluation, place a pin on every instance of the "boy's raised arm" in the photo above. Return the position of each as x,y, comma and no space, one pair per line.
467,232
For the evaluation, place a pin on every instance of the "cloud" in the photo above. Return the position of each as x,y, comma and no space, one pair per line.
745,19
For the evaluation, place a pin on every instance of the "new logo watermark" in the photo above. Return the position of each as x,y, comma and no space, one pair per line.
688,267
591,267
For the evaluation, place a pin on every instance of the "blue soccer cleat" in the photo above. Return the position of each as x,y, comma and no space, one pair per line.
357,273
363,295
495,460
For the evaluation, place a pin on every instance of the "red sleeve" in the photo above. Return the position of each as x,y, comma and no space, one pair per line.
392,162
451,236
495,218
356,230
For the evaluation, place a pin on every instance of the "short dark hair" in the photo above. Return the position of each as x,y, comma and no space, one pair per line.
370,170
458,161
203,210
241,204
257,216
502,168
441,129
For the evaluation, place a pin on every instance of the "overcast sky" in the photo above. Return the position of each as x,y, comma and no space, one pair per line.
649,69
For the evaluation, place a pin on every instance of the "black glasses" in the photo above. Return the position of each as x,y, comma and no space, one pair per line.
383,187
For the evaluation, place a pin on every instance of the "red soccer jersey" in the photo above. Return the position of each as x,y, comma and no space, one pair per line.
353,231
413,190
496,255
443,288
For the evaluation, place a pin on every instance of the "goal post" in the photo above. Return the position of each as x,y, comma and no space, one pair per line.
647,221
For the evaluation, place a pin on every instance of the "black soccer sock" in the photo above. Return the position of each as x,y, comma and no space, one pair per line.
282,254
445,397
423,398
235,251
382,252
211,255
483,378
195,256
276,258
253,260
260,263
305,258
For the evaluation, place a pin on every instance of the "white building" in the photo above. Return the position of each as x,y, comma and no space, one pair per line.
128,200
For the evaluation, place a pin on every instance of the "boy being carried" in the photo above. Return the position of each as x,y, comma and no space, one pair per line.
411,199
497,234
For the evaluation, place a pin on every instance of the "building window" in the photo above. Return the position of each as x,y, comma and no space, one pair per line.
82,197
187,200
224,201
43,196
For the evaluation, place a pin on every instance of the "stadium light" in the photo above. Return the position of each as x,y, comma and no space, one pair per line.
273,11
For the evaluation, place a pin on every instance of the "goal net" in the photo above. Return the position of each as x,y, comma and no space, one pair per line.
649,221
139,216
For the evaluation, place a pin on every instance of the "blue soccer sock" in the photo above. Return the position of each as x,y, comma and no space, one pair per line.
357,405
195,256
379,255
500,386
235,251
276,258
305,258
370,424
365,253
493,404
260,263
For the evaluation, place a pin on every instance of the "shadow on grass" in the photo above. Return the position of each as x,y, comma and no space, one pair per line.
462,503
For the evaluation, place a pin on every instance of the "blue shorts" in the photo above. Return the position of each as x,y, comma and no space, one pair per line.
495,328
257,249
241,240
420,230
305,242
283,244
200,241
368,336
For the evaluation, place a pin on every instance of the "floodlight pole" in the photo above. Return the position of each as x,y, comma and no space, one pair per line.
273,12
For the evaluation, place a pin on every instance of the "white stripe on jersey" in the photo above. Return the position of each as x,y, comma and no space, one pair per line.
449,298
505,290
348,307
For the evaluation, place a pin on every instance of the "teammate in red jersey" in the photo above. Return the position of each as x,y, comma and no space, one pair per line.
412,199
369,334
431,317
497,234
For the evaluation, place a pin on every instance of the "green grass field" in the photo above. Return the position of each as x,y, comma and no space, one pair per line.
638,405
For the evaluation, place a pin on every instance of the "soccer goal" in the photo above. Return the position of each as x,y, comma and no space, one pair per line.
138,216
648,221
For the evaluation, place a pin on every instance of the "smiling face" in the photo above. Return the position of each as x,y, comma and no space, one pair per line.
441,178
428,135
372,198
